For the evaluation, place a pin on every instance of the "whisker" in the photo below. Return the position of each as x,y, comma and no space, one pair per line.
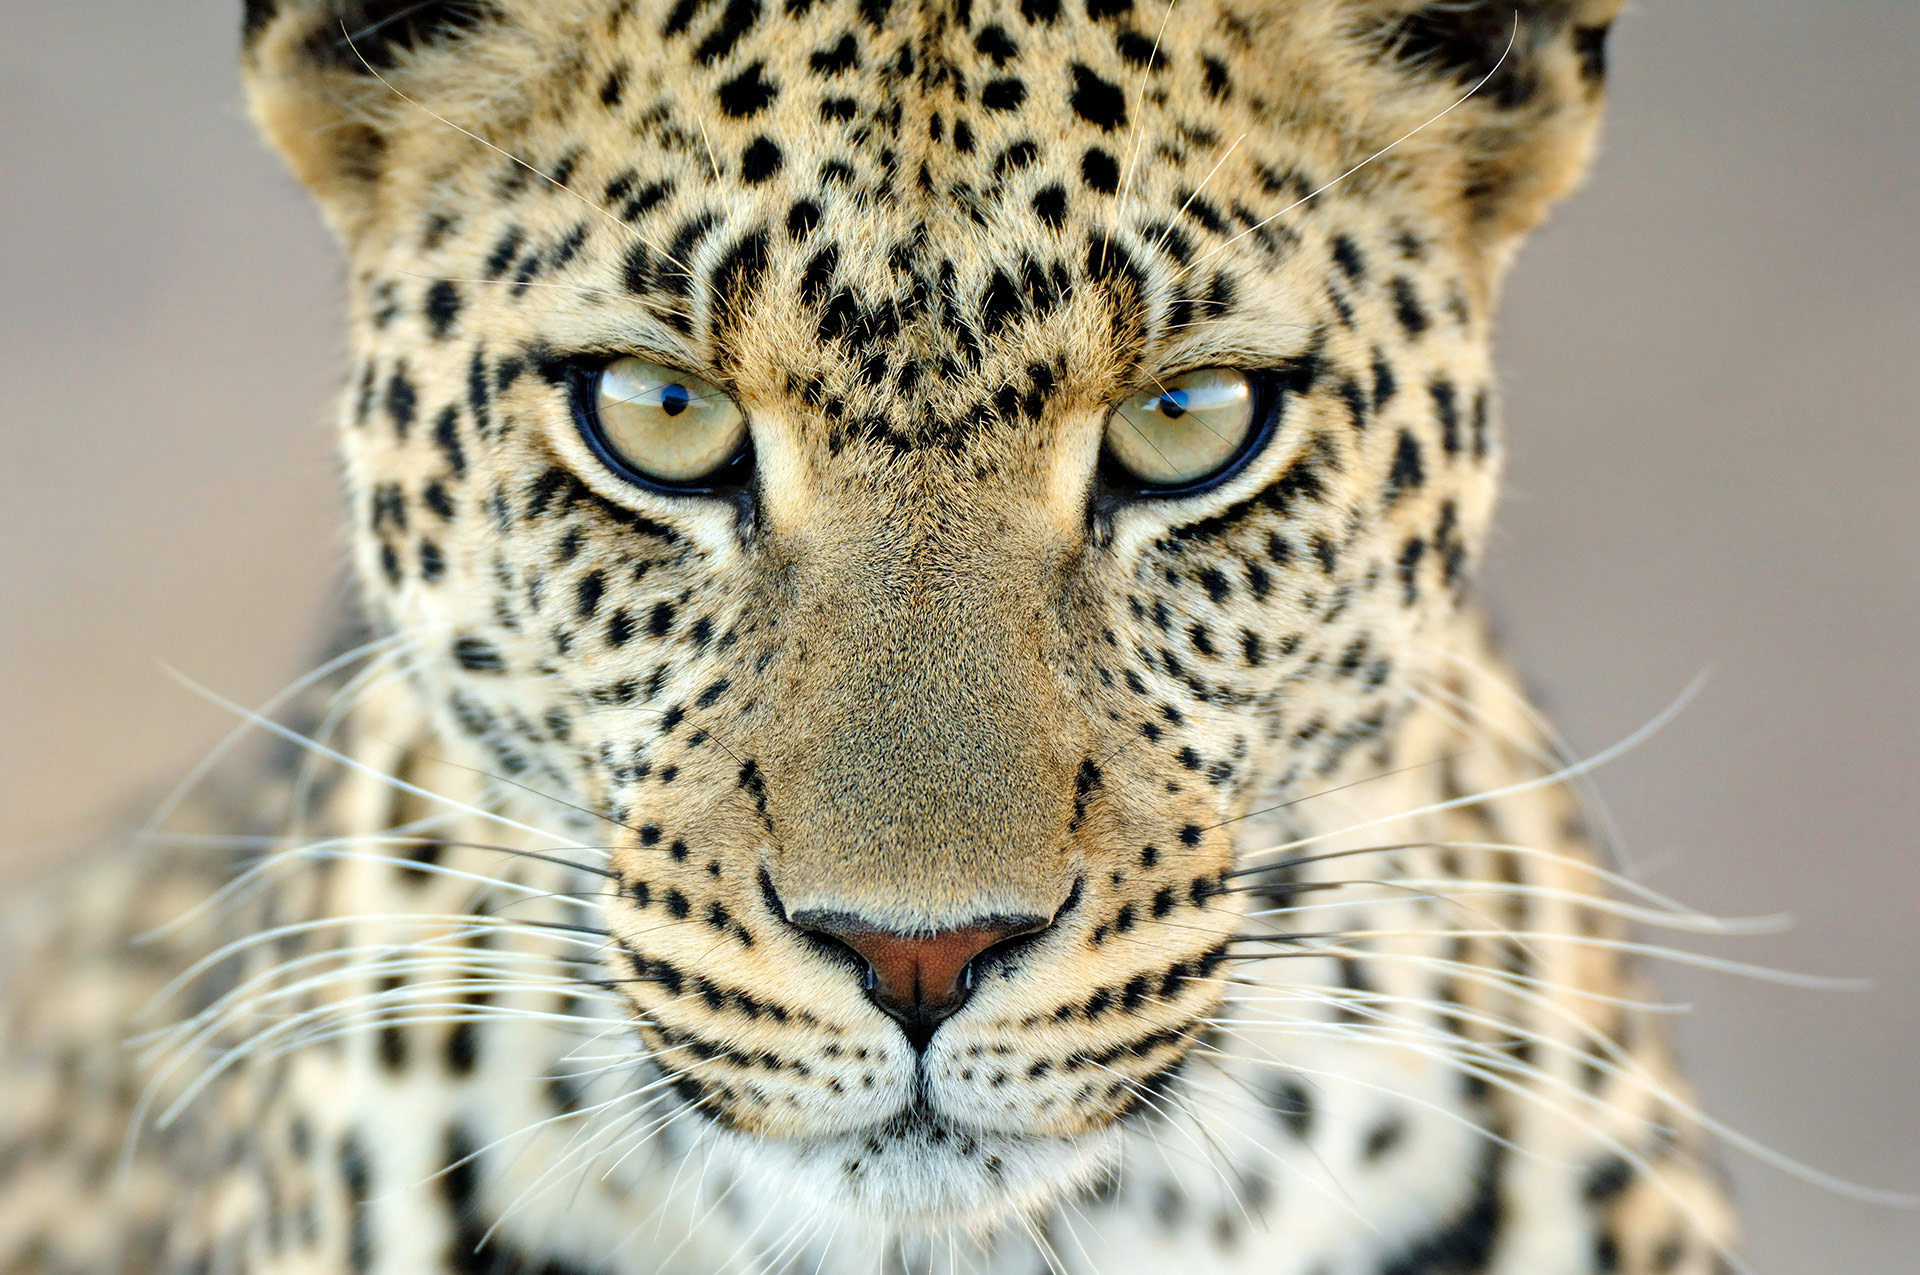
360,767
1597,760
150,831
1678,956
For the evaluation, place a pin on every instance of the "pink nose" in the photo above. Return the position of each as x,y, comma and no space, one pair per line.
919,980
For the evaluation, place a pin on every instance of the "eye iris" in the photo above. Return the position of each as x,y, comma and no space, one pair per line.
1183,433
662,426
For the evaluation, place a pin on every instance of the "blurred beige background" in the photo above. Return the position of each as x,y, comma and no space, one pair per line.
1713,370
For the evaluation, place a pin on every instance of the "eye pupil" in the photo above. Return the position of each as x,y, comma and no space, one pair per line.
1173,404
674,399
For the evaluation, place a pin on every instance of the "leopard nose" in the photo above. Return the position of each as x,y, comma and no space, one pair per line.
919,979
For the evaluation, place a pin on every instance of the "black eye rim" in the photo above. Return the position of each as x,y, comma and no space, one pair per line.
1269,387
729,479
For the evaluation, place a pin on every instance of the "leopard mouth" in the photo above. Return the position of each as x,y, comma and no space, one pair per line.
926,1172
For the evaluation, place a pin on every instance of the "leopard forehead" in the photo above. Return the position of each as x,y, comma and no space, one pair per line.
913,181
921,674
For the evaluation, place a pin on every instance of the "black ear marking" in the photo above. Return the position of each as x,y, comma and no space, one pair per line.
1504,39
355,35
256,16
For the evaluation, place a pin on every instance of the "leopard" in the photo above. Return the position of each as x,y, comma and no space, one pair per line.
918,700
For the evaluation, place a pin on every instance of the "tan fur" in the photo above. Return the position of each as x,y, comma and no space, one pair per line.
1310,1000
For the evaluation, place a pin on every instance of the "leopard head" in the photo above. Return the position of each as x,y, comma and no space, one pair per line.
920,473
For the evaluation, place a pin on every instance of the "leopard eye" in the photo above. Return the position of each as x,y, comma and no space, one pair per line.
666,428
1185,431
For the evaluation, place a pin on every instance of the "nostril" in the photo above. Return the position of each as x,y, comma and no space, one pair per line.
918,979
823,939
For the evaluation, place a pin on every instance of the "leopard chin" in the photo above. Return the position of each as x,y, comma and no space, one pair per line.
922,1175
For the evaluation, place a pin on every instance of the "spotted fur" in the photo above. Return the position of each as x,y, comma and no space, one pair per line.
1330,979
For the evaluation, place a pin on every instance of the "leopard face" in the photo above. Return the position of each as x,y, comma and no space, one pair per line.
919,739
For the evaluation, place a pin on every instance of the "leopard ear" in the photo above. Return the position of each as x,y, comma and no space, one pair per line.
326,79
1536,69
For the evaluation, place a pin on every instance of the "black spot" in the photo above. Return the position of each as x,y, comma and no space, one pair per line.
1446,408
1102,9
1015,157
443,308
1004,94
1040,11
463,1048
735,21
1607,1179
477,656
686,238
1408,470
1384,384
358,1181
995,43
504,252
802,218
817,278
613,89
1218,82
1050,205
748,93
843,56
1100,171
1407,308
446,436
760,160
1410,559
645,200
1000,305
1356,401
1097,101
1346,255
1383,1138
1293,1103
588,593
403,400
681,16
637,268
738,274
1139,51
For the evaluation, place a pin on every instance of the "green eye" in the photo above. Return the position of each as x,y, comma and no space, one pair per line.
663,427
1184,431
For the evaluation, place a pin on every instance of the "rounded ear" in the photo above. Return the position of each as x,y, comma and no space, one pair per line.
1537,69
323,78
